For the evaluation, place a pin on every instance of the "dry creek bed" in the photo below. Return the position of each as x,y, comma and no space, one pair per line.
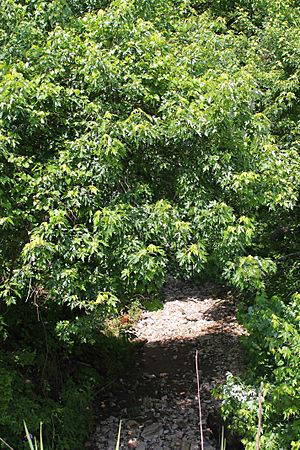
157,401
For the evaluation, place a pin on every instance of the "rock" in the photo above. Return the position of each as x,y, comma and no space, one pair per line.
153,430
141,446
185,445
208,446
132,424
133,443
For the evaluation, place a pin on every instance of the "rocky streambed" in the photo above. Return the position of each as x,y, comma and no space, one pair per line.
157,400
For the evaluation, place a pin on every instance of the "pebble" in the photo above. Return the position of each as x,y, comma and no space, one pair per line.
152,430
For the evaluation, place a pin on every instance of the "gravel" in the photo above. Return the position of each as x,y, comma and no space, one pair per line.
157,400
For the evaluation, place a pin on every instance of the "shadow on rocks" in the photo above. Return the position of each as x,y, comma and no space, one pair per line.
157,397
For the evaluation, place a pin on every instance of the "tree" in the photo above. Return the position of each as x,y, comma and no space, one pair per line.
140,138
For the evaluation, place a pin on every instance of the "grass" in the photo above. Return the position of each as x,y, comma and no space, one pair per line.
33,444
119,436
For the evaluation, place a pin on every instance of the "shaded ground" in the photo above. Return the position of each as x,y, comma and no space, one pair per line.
157,400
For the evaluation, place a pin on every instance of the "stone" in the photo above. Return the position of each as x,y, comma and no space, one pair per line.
185,445
153,430
133,443
141,446
208,446
132,424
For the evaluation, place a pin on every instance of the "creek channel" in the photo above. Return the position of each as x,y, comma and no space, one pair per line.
157,399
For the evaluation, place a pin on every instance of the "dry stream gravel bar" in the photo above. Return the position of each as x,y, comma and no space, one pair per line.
157,401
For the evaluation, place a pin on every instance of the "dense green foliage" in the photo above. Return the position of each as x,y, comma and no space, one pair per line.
140,138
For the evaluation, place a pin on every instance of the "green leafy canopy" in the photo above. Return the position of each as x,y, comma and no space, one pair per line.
139,139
